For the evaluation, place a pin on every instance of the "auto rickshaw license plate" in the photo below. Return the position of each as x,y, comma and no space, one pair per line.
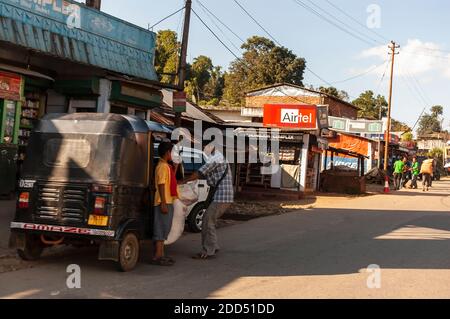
96,220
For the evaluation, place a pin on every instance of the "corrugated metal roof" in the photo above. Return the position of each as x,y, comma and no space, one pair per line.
70,30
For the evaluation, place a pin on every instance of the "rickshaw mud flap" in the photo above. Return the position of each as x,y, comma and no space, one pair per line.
109,250
62,229
17,241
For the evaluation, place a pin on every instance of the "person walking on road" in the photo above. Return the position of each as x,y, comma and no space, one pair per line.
415,171
406,176
218,174
427,173
399,166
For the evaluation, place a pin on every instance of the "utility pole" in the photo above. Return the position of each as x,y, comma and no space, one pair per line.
182,69
393,48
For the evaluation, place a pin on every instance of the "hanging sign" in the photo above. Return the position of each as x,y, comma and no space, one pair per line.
179,101
10,86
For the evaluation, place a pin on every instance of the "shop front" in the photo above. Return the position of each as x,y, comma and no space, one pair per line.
11,93
352,144
60,56
286,142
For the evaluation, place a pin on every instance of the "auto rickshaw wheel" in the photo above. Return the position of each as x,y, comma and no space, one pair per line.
128,252
33,248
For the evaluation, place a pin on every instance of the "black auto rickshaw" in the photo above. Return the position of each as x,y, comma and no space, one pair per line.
86,180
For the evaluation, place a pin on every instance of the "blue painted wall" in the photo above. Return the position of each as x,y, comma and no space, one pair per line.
70,30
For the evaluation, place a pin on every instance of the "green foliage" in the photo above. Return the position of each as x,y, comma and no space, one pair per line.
263,63
437,110
166,60
334,92
371,105
436,153
407,137
431,123
397,126
205,81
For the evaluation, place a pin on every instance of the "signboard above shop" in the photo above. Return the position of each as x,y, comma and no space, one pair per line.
356,126
291,116
73,31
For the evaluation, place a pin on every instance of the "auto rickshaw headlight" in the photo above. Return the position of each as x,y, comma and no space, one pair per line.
24,200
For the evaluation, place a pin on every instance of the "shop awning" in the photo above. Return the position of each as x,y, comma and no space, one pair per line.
69,30
346,152
160,128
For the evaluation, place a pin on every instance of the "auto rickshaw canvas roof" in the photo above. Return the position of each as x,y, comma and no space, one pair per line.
92,123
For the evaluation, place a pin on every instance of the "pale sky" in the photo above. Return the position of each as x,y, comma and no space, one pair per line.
420,27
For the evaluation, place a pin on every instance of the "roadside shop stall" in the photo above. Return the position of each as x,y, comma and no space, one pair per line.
11,92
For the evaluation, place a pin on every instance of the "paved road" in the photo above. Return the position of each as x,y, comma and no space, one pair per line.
321,252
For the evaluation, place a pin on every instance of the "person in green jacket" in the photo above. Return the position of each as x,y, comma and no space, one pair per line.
399,166
415,171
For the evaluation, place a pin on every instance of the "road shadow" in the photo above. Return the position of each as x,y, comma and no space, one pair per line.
318,242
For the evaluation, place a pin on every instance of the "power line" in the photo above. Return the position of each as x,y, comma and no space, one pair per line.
235,55
221,22
414,53
256,21
419,86
383,76
414,90
168,17
416,86
321,16
418,120
215,35
209,14
355,20
342,22
361,74
435,50
276,41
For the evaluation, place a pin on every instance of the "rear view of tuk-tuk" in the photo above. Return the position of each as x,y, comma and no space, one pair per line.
84,182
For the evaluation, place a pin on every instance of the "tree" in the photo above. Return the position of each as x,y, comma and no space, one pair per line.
431,123
437,110
263,63
166,60
213,90
407,137
371,106
205,84
397,126
199,76
438,155
343,95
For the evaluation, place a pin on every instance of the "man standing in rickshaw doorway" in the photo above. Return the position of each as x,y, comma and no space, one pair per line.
166,193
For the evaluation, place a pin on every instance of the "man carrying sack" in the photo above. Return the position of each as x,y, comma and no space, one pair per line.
221,195
427,173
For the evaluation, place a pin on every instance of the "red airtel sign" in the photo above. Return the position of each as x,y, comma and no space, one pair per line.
290,116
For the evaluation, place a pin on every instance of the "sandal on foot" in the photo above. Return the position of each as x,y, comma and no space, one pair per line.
162,262
202,256
169,259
